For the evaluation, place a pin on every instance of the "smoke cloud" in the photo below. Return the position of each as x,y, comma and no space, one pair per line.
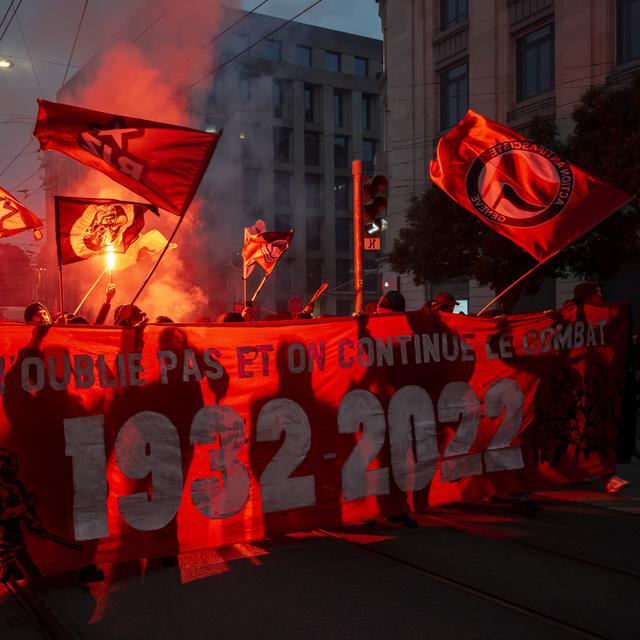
142,73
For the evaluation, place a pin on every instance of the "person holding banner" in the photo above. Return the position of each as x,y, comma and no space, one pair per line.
590,293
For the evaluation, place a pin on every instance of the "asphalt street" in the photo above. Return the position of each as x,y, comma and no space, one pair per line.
479,571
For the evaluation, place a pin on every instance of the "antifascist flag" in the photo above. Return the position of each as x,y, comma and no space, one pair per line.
16,218
86,226
265,249
163,163
258,227
519,188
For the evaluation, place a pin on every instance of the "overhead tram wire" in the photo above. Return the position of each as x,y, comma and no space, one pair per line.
10,19
26,46
6,13
243,17
26,146
75,40
224,64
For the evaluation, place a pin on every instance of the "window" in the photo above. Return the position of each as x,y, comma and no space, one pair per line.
314,274
282,144
370,275
341,191
341,152
452,12
368,151
249,141
534,63
251,187
303,55
312,148
628,30
344,231
313,191
284,276
344,307
368,106
310,99
282,222
248,86
339,109
273,50
282,98
361,67
454,95
314,228
332,61
282,188
344,271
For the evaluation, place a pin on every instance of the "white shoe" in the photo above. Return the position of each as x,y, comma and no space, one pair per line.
615,483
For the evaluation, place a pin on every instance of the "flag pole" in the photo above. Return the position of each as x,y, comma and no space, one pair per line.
262,283
518,281
64,320
86,295
155,266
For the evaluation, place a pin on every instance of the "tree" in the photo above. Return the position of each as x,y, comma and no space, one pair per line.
442,240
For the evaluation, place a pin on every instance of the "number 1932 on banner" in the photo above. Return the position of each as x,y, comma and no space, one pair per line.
148,446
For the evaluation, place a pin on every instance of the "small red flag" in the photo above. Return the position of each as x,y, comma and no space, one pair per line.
86,226
163,163
265,249
519,188
16,218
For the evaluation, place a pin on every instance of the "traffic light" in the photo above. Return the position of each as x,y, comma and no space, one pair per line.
374,205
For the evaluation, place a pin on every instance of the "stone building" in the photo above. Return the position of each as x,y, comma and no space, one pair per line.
509,60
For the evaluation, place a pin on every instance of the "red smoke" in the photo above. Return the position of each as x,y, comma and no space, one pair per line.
143,76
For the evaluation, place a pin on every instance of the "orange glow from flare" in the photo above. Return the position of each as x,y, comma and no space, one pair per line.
111,257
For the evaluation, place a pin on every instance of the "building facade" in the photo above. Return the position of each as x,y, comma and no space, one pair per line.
510,60
296,109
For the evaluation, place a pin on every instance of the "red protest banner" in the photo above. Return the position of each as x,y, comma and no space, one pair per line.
117,444
519,188
163,163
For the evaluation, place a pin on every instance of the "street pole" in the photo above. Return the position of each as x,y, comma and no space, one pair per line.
356,171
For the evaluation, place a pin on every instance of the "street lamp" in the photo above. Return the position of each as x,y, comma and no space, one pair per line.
5,63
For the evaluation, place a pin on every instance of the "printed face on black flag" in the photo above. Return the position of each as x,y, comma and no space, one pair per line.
85,227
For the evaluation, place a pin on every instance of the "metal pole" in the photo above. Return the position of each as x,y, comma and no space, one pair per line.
86,295
155,266
64,320
262,283
356,171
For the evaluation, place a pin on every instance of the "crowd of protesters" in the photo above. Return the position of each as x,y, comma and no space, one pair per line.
390,302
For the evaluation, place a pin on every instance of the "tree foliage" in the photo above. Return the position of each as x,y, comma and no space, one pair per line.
442,240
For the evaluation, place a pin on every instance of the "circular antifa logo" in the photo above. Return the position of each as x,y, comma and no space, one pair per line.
273,250
518,183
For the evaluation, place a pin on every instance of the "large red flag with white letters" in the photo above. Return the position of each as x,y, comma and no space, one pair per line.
163,163
519,188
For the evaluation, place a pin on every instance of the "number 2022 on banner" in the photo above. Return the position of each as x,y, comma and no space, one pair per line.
148,445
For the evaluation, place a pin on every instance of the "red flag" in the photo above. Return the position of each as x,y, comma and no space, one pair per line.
519,188
265,249
86,226
15,218
163,163
258,227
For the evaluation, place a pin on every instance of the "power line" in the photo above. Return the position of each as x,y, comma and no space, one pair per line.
26,146
243,17
6,13
62,64
10,19
224,64
33,68
75,39
153,24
